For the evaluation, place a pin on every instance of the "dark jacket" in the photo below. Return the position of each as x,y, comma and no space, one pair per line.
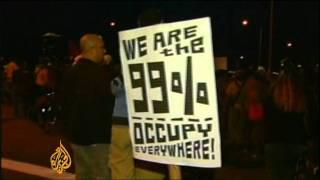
87,104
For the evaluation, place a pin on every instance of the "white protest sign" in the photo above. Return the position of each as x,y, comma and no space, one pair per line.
169,74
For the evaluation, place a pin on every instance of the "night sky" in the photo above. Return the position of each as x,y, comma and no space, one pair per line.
23,23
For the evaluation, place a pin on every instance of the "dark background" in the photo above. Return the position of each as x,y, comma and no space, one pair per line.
23,23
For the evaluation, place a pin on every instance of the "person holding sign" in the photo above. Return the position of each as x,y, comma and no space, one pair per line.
146,18
286,124
86,110
168,70
122,162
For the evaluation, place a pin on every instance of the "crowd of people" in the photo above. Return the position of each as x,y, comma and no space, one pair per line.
270,117
273,118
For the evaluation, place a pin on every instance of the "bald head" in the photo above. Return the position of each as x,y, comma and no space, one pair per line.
92,47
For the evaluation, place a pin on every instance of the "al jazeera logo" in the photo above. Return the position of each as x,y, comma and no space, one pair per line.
60,160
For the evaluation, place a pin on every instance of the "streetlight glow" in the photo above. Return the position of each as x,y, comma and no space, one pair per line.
112,23
289,44
245,22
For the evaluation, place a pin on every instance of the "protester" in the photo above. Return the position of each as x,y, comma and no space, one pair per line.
9,70
235,126
87,109
286,134
252,104
22,88
122,161
150,17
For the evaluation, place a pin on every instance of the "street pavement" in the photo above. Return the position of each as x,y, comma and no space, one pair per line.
25,141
